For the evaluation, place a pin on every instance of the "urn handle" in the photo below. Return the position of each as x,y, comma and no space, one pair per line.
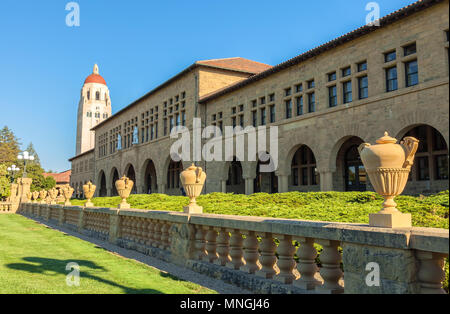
410,145
199,173
362,146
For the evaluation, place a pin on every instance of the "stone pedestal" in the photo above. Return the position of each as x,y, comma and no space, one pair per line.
193,209
390,220
24,188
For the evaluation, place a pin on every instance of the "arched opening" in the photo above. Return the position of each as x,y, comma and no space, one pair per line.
115,177
102,180
150,183
235,181
304,174
173,177
265,182
429,173
350,172
131,174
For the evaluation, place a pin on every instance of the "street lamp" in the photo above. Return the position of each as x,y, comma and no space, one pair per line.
25,157
12,170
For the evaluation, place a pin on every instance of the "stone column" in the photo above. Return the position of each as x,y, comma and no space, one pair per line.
114,225
283,183
326,180
24,188
109,192
162,188
249,186
223,184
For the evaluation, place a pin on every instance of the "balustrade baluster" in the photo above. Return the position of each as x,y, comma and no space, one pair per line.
267,258
223,247
251,254
211,244
307,266
286,262
200,243
236,250
330,271
431,272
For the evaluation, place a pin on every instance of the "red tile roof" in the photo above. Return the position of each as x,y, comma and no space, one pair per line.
60,178
236,64
95,78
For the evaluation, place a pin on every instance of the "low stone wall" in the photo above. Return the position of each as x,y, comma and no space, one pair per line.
8,208
268,255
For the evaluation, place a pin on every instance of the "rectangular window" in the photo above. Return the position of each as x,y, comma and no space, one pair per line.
165,127
409,50
295,176
441,167
288,106
363,86
272,114
241,108
304,171
183,118
288,92
263,116
311,84
347,89
362,66
233,110
391,79
254,103
390,56
312,102
254,119
272,97
423,169
332,96
299,105
412,73
241,121
262,100
346,71
298,88
233,121
331,77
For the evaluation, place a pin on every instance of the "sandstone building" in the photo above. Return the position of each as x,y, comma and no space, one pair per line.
325,102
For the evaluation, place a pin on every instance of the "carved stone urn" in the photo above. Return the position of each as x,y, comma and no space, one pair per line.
89,190
35,196
388,165
42,196
193,179
52,195
67,192
124,186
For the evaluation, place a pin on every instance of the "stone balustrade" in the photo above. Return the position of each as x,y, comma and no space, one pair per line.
6,208
268,255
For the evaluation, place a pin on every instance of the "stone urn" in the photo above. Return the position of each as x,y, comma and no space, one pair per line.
124,186
67,192
35,195
43,196
193,179
388,165
89,190
52,195
29,196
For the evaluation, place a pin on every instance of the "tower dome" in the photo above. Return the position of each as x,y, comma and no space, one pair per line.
95,77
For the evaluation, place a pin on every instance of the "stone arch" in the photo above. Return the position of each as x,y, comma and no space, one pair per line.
264,181
149,177
130,172
114,175
101,179
235,182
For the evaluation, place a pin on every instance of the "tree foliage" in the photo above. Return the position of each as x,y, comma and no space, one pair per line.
9,146
4,182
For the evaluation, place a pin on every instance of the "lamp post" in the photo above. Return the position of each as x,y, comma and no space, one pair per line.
12,170
25,156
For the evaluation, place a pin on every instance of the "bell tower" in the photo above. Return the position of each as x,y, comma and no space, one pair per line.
93,108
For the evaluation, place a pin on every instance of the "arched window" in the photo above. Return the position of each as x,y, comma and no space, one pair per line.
97,95
173,174
355,173
431,159
304,167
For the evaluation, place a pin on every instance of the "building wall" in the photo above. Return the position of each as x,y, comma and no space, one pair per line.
328,131
83,170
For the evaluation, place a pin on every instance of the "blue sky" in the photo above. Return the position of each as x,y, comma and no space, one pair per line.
139,44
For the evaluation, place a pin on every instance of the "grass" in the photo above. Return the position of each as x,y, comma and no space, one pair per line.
33,259
353,207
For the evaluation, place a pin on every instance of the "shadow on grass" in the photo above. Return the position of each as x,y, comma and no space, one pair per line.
53,267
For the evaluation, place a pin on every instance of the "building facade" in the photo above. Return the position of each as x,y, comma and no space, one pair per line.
324,103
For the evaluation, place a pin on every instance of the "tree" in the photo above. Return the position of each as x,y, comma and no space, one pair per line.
9,146
30,149
4,182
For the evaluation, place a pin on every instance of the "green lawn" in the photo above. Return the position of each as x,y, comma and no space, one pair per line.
354,207
33,259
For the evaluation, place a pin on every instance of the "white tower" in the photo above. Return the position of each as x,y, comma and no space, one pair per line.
94,107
